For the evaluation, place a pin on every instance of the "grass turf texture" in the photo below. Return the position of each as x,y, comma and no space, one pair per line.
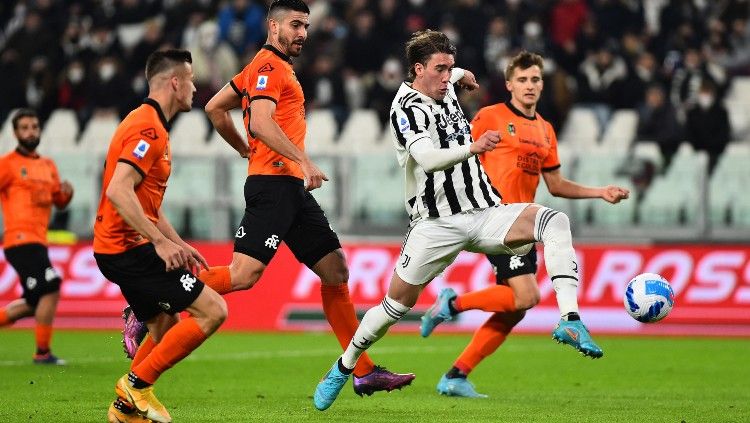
238,377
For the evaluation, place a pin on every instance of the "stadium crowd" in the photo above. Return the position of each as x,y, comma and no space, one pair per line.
671,60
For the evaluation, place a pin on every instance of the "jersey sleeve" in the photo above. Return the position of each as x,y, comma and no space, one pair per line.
267,83
481,123
237,84
6,177
410,125
552,162
141,151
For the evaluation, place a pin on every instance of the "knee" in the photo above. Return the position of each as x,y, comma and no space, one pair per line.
244,278
527,299
337,274
217,311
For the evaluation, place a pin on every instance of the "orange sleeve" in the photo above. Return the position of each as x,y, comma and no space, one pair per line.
5,175
237,83
267,83
552,162
58,198
481,123
142,152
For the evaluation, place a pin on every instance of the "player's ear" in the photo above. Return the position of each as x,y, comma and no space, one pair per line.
418,69
507,85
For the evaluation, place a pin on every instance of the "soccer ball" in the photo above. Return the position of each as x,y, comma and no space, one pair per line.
648,298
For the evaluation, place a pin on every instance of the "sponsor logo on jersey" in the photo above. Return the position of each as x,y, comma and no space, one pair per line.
265,68
140,150
149,133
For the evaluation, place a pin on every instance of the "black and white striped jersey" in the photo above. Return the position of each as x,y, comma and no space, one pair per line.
416,118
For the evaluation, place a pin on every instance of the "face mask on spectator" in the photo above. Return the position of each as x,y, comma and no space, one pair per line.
75,75
705,100
417,3
106,71
532,29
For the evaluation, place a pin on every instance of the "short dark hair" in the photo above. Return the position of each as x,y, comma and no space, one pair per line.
23,113
296,5
523,60
424,44
161,60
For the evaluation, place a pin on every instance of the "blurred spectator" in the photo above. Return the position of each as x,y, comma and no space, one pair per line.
497,45
363,49
708,123
242,24
532,38
12,87
690,77
641,75
152,40
72,90
566,19
324,88
599,82
657,121
34,39
381,93
110,92
41,90
214,62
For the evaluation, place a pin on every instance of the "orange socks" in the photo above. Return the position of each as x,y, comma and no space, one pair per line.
339,311
177,343
43,338
4,320
496,298
486,340
218,278
144,350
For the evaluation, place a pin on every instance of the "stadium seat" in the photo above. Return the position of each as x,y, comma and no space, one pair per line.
597,168
83,170
98,133
216,144
377,188
60,132
737,102
7,139
191,199
605,214
188,134
321,132
581,128
728,185
361,132
649,151
621,130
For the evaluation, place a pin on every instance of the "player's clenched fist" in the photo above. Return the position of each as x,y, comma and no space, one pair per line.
486,142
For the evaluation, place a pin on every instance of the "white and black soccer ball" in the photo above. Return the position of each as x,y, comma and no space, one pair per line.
648,298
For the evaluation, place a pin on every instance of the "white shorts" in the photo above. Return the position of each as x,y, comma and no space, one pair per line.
433,243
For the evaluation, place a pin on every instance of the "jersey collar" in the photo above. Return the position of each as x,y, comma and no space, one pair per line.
153,103
278,53
517,112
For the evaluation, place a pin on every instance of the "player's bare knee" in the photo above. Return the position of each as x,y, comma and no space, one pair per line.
245,278
215,311
527,299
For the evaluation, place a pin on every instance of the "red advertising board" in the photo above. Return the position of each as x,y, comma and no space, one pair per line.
711,283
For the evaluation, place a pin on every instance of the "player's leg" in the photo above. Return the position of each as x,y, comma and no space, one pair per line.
427,250
486,340
14,311
552,228
500,298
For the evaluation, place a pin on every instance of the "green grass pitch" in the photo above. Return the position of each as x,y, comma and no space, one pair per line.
240,377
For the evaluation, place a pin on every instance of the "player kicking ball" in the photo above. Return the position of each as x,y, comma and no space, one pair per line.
453,208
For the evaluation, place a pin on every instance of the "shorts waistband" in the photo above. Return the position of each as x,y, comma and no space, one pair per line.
276,178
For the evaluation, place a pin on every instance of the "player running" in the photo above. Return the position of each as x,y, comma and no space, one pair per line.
137,248
29,187
453,207
528,149
279,206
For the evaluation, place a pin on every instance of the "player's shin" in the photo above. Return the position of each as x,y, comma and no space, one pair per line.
374,325
553,229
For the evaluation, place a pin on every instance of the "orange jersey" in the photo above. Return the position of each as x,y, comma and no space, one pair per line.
29,186
142,141
527,147
270,76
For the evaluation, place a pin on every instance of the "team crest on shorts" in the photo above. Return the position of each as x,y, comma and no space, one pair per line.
511,129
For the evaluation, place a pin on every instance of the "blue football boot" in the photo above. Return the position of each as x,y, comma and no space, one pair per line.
329,387
458,387
438,312
575,334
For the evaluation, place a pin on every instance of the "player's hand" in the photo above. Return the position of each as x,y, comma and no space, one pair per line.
486,142
613,194
173,255
314,177
195,261
468,82
245,153
66,188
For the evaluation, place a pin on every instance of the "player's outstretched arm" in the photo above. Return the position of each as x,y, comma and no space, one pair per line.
268,131
560,186
121,192
218,109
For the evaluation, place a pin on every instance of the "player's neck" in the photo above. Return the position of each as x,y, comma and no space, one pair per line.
528,111
168,106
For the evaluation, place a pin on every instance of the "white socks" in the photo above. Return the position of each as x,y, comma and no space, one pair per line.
552,228
374,325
